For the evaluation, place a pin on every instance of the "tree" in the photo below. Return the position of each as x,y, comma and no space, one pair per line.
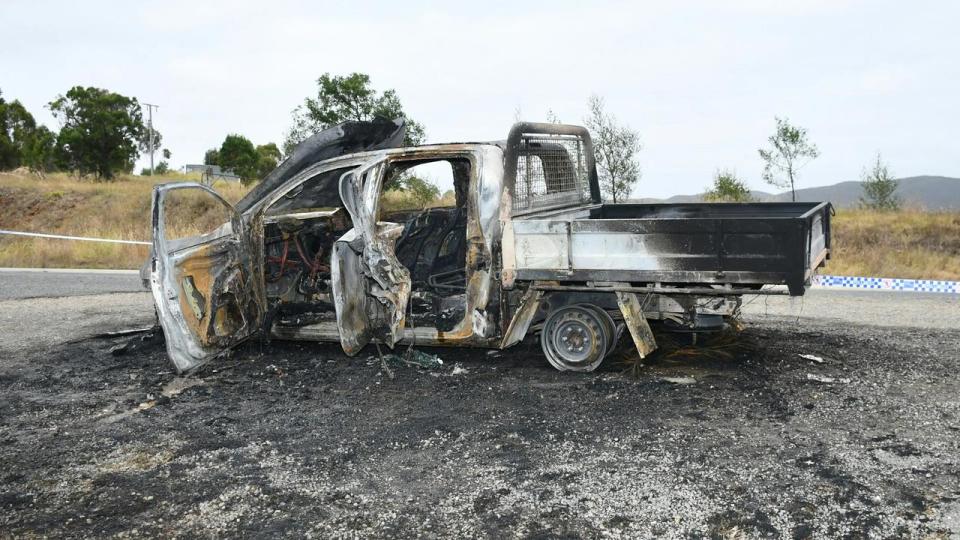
21,126
879,188
163,166
160,168
423,191
790,151
22,141
8,152
268,156
144,144
38,151
615,147
101,131
343,98
212,157
239,155
727,188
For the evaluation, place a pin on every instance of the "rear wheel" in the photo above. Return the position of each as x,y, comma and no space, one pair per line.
576,338
609,327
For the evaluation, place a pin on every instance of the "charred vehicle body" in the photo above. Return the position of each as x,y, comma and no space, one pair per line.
528,247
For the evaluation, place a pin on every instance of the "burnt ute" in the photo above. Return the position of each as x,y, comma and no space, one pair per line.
527,247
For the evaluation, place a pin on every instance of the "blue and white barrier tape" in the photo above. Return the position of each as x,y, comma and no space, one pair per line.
889,284
81,238
848,282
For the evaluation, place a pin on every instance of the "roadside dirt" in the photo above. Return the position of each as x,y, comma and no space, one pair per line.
297,438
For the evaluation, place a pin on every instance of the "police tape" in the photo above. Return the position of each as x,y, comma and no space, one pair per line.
888,284
846,282
81,238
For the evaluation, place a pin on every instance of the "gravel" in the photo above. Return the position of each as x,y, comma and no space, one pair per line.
291,438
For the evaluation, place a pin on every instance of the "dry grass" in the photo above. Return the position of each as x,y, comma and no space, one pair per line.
673,346
402,200
905,244
61,204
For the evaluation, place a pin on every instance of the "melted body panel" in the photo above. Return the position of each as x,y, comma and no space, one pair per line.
633,315
205,287
377,305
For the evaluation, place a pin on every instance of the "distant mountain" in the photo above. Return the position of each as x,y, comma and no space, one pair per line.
930,192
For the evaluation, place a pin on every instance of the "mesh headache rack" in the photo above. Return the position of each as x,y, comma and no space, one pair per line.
550,166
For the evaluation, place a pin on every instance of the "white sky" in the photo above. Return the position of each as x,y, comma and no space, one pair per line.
701,81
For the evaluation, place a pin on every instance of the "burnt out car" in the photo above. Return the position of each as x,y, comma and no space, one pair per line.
526,247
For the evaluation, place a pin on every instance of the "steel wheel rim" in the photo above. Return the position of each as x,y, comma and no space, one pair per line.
574,339
606,323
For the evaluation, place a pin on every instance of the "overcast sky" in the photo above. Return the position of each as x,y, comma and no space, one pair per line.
700,81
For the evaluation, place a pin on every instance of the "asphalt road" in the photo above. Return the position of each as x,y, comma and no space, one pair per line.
51,283
880,308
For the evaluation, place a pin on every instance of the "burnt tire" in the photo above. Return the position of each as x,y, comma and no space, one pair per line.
576,338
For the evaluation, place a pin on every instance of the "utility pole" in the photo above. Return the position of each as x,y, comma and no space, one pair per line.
150,144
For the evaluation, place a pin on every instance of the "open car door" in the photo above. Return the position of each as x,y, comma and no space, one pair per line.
371,287
205,282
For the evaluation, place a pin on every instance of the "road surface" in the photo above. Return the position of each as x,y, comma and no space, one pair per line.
78,302
50,283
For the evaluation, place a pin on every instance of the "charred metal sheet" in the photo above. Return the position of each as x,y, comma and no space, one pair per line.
522,318
478,291
632,310
508,256
204,287
339,140
543,245
699,291
489,188
482,235
377,306
779,243
349,294
685,278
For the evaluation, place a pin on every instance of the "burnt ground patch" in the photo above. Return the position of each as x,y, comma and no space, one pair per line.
297,438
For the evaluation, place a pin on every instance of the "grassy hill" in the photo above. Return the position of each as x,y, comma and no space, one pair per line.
907,244
924,192
61,204
927,192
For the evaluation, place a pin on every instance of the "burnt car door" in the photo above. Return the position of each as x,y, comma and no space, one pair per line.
371,288
204,276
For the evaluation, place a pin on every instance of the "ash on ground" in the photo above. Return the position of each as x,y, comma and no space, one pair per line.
298,438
